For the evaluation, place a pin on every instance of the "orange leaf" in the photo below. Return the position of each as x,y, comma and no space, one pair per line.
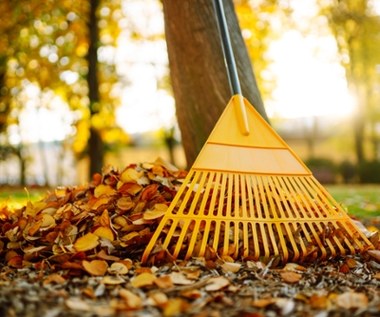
104,219
88,242
130,188
95,267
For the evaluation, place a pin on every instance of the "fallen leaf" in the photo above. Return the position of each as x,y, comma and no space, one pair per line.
175,307
164,282
48,221
290,277
95,267
375,254
118,268
54,278
103,190
112,280
104,232
158,299
179,279
217,283
294,267
130,175
87,242
318,302
231,267
77,304
262,302
133,301
158,211
143,280
350,300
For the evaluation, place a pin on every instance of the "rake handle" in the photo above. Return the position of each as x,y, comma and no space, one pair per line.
230,62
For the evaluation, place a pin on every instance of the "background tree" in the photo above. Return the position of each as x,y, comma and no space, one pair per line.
356,29
198,71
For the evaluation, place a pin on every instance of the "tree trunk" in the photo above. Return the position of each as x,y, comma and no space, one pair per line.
198,71
95,143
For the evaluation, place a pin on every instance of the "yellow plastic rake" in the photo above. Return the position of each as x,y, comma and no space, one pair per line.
248,195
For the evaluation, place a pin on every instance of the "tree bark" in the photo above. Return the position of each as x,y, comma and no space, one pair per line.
95,143
198,71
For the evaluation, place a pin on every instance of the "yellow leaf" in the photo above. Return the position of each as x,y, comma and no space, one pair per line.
133,301
130,175
103,190
47,221
144,279
95,267
88,242
154,214
104,232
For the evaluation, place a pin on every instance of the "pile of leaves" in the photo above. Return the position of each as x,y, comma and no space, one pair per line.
77,252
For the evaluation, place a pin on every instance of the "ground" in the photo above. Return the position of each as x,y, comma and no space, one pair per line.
77,251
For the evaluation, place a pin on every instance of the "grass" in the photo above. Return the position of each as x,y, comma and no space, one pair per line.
362,201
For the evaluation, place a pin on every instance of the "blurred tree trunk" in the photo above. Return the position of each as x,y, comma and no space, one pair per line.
198,71
95,143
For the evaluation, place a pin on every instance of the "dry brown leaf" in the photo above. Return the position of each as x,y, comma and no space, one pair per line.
87,242
290,277
217,283
143,280
95,267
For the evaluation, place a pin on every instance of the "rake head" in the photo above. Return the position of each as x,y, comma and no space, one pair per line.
251,197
